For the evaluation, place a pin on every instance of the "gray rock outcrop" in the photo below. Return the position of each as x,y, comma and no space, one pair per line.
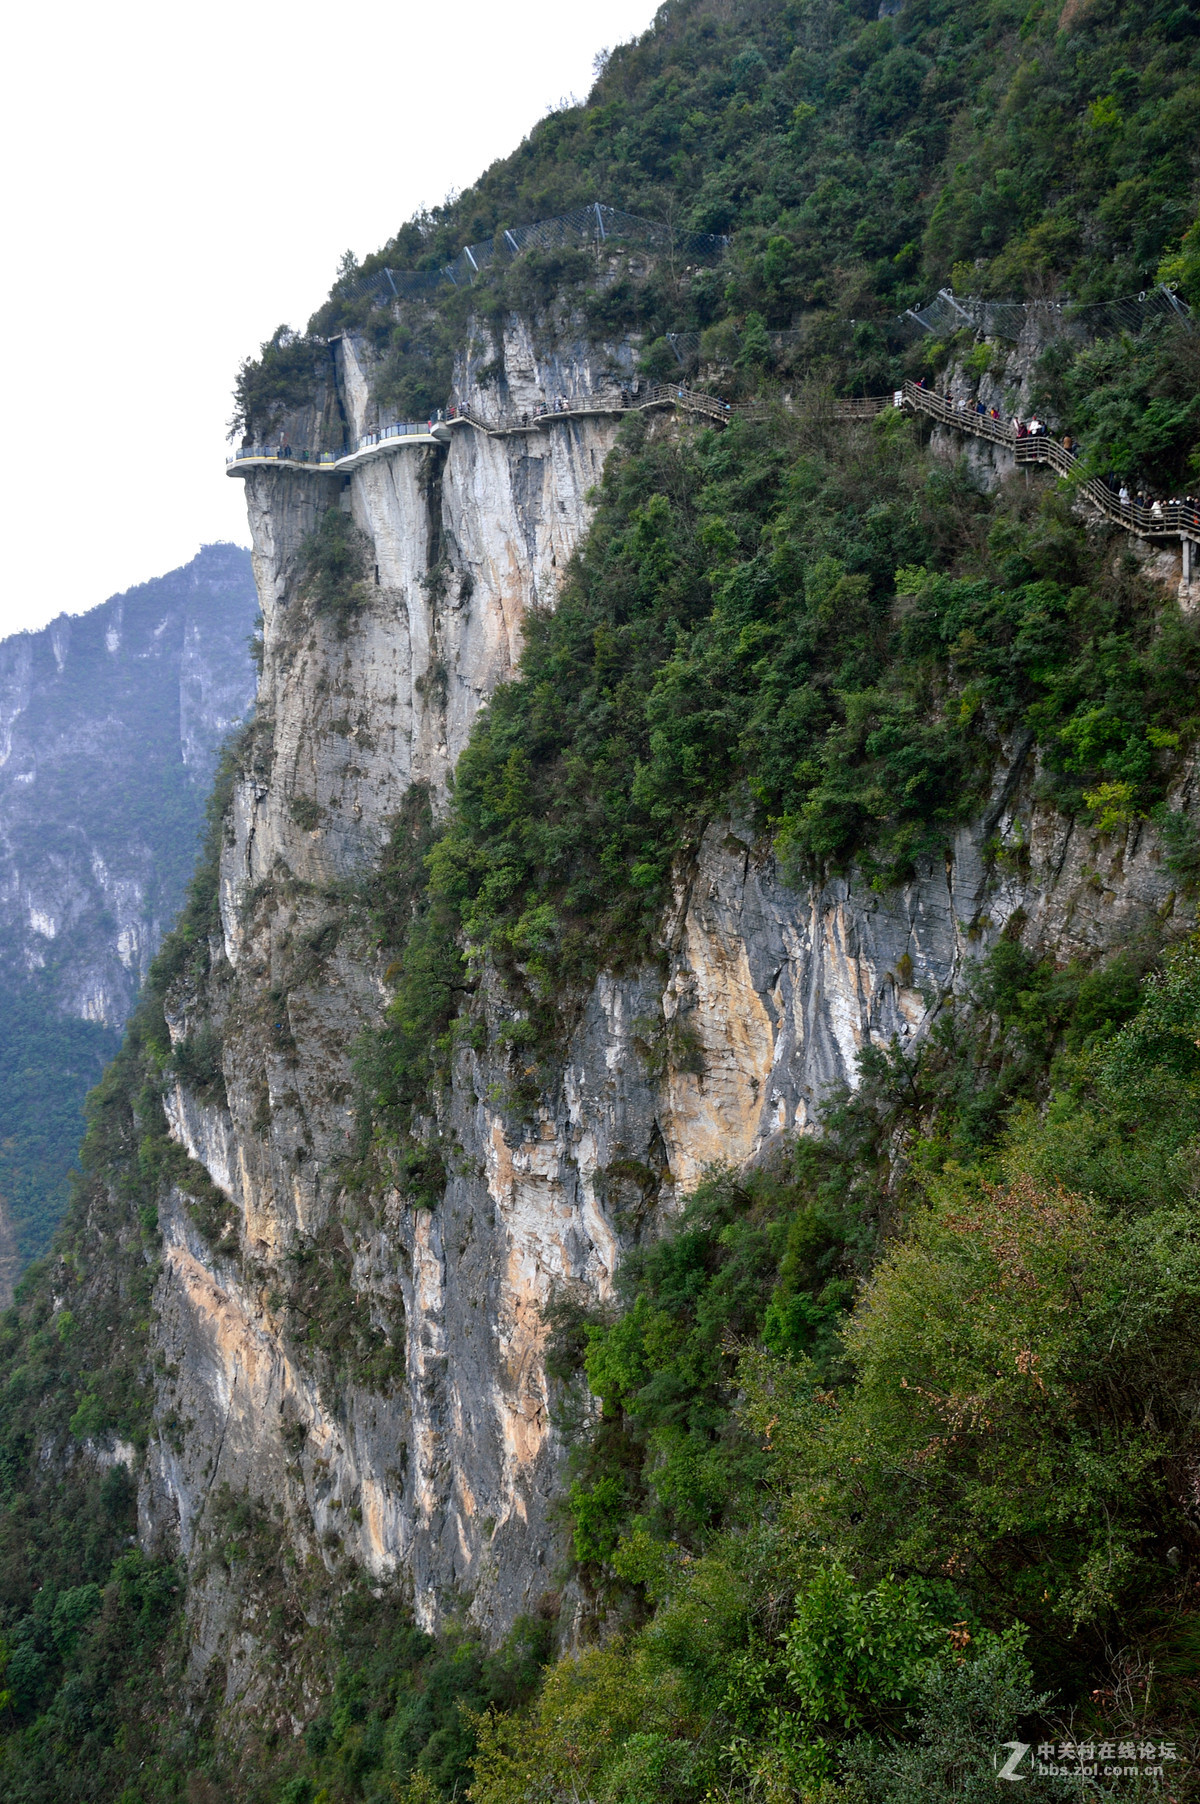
447,1474
109,727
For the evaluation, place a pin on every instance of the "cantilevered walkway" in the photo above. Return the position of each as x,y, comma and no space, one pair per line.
1159,520
440,431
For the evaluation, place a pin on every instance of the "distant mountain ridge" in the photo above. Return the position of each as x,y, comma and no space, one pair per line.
110,723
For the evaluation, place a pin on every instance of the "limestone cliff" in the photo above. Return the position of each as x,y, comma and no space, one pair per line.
441,1468
109,727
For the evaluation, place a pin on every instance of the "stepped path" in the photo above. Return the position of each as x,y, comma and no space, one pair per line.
1161,520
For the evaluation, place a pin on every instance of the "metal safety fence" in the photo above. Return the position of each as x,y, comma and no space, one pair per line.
593,225
948,313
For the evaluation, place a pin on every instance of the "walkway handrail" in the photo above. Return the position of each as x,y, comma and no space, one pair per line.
661,394
964,416
860,407
691,398
674,394
670,394
1161,518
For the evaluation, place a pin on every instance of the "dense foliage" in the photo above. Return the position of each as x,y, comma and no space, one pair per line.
858,163
885,1451
869,1545
48,1063
834,638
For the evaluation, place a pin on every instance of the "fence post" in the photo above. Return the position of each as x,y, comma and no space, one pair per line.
944,294
1178,305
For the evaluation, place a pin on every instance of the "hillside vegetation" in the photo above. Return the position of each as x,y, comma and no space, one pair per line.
856,162
887,1453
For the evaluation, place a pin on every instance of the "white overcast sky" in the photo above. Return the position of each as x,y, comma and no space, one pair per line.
179,179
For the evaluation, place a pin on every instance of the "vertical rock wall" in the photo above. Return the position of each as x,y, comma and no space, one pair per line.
763,995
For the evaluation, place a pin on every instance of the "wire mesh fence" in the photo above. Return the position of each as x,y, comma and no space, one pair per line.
948,313
593,225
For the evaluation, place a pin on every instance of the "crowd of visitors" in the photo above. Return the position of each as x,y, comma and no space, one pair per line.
1177,511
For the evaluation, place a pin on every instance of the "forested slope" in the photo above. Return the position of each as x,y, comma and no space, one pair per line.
885,1451
857,162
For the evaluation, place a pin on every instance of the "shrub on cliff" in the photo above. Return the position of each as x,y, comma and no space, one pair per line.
284,376
333,568
925,1532
833,643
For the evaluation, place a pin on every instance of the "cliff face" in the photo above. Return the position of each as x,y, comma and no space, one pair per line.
440,1464
109,728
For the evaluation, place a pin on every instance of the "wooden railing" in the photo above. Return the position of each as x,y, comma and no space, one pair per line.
1161,519
861,407
1166,519
663,394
